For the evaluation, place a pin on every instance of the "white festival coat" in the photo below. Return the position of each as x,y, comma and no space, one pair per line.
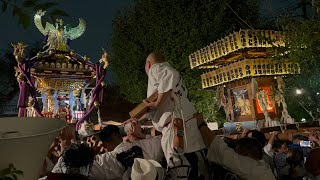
107,167
162,77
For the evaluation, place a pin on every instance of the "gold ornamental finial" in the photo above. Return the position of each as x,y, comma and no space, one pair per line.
104,59
18,51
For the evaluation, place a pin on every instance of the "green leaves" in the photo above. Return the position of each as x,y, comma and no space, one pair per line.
176,28
302,42
24,19
26,10
10,173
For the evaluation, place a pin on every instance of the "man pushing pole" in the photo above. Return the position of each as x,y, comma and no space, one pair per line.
172,105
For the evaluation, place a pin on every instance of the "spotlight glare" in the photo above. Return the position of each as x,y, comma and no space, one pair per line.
298,91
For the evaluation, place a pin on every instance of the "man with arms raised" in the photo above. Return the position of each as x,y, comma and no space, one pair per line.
172,103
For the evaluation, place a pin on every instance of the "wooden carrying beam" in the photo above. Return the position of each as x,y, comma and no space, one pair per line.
301,128
141,109
291,127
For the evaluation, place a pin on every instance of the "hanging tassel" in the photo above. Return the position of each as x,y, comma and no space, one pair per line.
262,99
285,117
223,101
259,94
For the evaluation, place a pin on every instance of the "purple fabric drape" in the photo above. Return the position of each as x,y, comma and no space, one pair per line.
25,70
97,94
22,99
22,94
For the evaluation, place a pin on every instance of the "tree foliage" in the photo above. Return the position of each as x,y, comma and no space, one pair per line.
24,10
10,173
304,38
8,83
176,28
303,42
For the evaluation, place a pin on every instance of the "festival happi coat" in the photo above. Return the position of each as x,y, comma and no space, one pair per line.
59,76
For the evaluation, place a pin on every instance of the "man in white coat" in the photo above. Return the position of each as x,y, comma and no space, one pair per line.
245,161
120,156
172,102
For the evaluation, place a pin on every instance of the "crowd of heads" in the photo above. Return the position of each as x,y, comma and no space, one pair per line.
287,159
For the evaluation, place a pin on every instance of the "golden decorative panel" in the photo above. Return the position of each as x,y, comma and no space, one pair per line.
59,84
248,68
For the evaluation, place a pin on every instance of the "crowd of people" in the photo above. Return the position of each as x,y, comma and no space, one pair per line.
180,145
112,154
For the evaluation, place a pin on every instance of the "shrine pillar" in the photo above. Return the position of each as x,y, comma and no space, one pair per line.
49,102
77,104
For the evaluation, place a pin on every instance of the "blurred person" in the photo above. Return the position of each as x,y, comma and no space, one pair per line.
134,131
154,132
65,138
312,164
172,102
297,138
281,148
245,161
77,159
315,140
266,147
294,164
120,155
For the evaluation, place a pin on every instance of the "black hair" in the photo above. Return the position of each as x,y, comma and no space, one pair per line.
277,144
232,143
294,159
259,136
249,147
78,155
109,133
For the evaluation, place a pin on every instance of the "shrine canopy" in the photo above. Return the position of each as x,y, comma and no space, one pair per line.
246,53
59,76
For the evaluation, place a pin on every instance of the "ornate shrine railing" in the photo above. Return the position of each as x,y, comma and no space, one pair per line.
248,68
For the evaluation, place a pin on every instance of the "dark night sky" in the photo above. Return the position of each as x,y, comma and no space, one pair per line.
97,13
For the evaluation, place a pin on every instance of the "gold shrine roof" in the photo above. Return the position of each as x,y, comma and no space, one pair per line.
61,64
240,55
227,49
61,71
